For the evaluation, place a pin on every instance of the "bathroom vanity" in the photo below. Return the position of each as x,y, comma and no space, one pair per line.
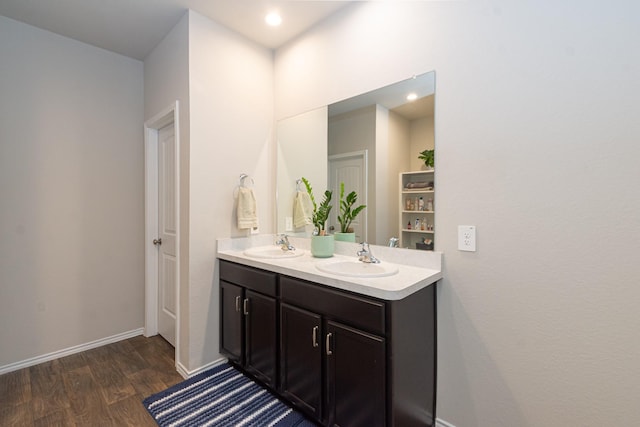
341,356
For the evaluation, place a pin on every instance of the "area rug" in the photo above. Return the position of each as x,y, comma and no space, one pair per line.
221,397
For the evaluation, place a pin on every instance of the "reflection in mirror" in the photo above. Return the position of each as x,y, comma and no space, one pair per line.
302,151
369,142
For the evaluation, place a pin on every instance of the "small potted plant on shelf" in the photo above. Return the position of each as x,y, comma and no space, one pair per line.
428,157
322,244
347,214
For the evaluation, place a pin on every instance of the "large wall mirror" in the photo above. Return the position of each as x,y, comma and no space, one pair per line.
372,143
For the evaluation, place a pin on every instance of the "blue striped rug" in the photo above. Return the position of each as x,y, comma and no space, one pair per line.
221,397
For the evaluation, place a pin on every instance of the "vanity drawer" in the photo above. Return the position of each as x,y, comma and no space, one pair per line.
249,277
361,312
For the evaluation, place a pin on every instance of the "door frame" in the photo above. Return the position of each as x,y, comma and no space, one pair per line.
362,198
151,128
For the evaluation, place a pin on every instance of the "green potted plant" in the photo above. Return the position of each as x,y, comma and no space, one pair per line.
347,214
322,244
428,157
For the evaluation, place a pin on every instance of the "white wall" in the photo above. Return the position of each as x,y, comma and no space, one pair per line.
224,85
397,160
383,198
421,136
166,80
71,165
537,136
231,97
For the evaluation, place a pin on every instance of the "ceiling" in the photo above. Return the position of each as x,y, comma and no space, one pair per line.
394,97
134,27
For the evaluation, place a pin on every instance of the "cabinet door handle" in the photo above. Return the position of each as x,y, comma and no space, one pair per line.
315,336
245,307
237,303
328,344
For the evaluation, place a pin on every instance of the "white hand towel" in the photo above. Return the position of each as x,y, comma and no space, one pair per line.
302,210
247,210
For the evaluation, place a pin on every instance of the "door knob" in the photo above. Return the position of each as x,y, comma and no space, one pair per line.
157,241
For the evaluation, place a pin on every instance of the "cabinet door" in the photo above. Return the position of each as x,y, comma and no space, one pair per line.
356,372
260,336
231,321
301,358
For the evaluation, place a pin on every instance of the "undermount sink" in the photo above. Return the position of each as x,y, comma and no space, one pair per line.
357,268
272,252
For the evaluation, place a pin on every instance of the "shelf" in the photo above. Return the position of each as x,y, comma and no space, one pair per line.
410,238
416,190
417,212
419,172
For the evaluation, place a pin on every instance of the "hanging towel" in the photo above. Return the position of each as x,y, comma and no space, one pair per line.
247,212
302,210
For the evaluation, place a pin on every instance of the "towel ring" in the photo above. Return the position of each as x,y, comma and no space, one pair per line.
298,182
243,177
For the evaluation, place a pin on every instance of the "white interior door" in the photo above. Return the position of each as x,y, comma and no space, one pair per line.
350,168
167,262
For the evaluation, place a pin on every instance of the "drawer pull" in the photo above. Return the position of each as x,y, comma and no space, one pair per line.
237,303
328,344
315,336
245,306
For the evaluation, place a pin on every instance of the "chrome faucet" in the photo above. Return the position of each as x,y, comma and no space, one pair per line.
365,254
283,241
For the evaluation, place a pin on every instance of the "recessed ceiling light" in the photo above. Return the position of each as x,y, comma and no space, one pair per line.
412,97
273,19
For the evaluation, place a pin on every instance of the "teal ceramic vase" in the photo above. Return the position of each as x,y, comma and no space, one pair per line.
322,246
345,237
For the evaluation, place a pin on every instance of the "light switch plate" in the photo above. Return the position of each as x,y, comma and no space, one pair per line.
288,223
467,238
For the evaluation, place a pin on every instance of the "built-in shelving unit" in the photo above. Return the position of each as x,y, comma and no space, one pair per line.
417,193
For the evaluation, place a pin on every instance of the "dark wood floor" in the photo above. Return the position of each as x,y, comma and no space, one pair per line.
104,386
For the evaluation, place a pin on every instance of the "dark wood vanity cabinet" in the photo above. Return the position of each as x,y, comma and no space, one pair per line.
333,335
231,322
352,361
355,377
248,319
301,356
345,359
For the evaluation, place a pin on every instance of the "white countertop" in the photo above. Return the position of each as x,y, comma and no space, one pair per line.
417,269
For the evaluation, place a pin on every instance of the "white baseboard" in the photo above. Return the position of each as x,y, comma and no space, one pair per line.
69,351
443,423
182,370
